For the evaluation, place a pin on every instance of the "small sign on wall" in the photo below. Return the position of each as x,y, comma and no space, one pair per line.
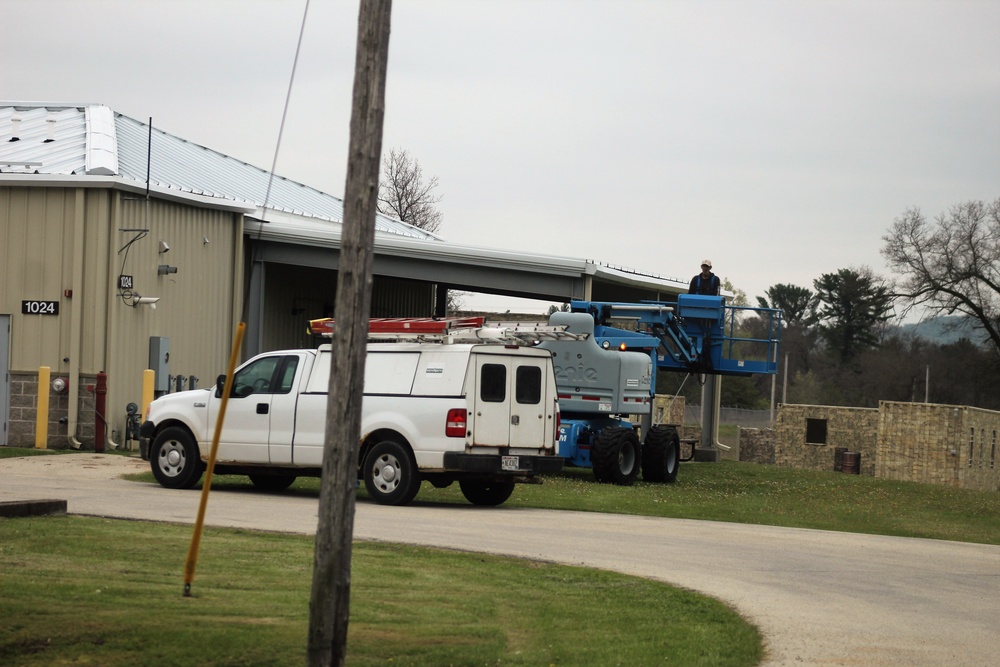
39,307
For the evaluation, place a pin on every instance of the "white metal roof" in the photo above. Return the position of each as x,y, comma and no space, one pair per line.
60,144
92,140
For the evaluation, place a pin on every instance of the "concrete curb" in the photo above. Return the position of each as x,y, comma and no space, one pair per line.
20,508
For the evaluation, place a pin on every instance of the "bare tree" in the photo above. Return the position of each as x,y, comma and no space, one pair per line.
403,193
952,265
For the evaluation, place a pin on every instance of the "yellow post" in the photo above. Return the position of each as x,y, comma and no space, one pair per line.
148,382
192,557
42,414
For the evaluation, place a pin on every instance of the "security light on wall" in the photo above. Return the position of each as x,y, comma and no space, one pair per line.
164,247
145,301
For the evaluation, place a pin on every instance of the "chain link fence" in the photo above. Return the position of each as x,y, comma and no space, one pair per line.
731,416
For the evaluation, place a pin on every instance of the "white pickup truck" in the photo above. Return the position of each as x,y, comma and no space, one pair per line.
484,415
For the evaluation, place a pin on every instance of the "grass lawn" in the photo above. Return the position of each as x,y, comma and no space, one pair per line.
91,591
88,591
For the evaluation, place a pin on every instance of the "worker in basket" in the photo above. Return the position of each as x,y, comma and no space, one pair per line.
706,282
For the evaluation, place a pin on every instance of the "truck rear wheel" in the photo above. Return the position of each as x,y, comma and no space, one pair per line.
661,454
175,460
615,456
487,492
390,474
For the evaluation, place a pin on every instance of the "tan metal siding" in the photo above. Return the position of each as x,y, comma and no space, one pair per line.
296,294
196,305
66,245
293,295
35,235
399,297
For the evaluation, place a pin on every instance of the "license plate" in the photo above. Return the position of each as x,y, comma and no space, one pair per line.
510,463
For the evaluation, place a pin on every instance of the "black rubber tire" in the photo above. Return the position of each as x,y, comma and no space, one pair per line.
270,482
390,474
661,454
488,493
175,459
616,456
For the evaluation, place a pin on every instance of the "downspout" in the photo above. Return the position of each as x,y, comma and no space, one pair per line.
711,397
76,316
112,304
716,416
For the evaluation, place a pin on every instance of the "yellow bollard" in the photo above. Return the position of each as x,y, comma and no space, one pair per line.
42,413
148,382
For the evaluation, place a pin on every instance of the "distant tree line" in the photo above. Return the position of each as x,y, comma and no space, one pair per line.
841,343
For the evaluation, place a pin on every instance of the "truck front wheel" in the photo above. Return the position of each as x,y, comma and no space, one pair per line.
390,474
175,460
661,454
615,456
486,492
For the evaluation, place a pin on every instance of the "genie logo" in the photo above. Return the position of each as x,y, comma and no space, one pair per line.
578,374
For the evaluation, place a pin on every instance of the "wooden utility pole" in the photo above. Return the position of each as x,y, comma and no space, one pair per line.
329,604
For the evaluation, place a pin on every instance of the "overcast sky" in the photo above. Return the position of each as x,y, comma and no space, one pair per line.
778,138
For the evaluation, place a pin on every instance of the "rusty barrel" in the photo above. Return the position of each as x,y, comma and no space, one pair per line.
851,463
838,459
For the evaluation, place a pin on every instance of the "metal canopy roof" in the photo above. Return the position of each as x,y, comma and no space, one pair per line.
47,144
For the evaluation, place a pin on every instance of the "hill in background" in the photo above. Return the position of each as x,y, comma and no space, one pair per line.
945,330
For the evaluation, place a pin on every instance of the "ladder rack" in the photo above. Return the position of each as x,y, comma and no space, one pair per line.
453,330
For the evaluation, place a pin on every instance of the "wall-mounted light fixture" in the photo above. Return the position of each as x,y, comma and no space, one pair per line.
164,247
164,269
145,301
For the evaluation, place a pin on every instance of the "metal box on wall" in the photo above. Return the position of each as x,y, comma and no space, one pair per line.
159,360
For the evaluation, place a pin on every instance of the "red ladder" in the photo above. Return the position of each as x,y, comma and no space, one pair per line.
403,325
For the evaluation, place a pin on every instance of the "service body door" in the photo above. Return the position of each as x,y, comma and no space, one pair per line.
261,388
511,401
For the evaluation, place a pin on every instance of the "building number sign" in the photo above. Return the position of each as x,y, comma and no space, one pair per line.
39,307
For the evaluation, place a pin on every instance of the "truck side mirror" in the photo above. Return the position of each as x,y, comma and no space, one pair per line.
220,384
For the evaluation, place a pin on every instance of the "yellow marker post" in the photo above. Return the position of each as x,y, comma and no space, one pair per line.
42,413
148,383
192,556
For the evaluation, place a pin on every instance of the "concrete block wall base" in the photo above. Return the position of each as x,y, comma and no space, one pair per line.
707,455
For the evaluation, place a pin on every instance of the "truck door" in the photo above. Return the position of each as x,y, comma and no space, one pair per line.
261,389
511,401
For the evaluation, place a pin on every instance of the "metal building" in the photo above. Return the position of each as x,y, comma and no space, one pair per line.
126,248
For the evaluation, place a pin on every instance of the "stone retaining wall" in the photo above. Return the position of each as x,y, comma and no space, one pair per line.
809,435
919,442
939,444
668,409
757,445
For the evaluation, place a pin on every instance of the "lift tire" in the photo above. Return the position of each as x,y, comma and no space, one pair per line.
175,459
271,482
661,454
616,456
487,493
390,474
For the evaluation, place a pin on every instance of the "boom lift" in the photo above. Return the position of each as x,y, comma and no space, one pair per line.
608,373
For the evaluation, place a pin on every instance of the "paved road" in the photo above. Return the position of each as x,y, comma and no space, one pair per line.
820,598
